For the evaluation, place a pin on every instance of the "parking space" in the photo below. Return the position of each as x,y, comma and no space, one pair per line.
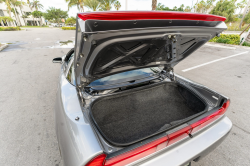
29,82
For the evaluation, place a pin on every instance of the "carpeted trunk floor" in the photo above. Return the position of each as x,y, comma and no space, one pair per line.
129,117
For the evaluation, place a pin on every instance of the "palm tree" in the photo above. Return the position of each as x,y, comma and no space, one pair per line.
8,4
78,3
241,5
187,9
154,3
117,5
20,7
1,20
17,4
6,19
106,5
37,5
24,16
92,4
13,10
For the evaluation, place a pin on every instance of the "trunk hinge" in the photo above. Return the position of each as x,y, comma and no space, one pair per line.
169,72
171,47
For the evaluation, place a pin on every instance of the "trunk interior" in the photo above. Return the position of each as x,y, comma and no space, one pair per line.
128,117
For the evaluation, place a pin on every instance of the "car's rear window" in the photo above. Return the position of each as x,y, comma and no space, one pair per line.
126,76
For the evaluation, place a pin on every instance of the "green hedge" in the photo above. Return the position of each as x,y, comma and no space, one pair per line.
227,39
10,28
68,28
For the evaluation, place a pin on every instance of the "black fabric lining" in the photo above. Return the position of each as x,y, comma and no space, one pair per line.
127,118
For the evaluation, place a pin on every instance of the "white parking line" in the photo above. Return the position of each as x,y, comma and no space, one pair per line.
213,45
191,68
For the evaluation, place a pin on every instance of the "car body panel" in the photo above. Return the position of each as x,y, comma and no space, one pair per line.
77,141
189,149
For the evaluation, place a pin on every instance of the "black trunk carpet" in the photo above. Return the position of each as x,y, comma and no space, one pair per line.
126,118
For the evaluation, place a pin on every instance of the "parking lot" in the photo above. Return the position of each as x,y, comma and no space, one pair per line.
29,82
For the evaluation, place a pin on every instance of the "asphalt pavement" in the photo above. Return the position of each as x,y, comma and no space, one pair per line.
29,82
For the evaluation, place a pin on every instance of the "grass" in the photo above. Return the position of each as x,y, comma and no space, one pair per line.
235,26
10,28
35,26
68,28
65,42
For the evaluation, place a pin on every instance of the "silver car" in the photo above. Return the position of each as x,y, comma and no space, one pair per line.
119,101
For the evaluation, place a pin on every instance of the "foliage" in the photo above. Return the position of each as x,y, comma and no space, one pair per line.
204,6
36,14
36,4
165,8
117,5
106,5
92,4
68,28
10,28
227,39
70,20
225,8
235,26
78,3
55,14
5,19
246,44
187,9
241,5
247,18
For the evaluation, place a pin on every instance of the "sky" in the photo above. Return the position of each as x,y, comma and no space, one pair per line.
132,4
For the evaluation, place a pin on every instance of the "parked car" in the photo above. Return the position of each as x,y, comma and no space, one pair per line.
119,101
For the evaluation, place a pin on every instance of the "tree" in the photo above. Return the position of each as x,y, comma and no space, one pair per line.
225,8
165,8
154,3
117,5
241,5
37,14
37,5
8,3
78,3
24,16
5,19
244,13
20,7
55,14
70,21
16,4
92,4
187,9
106,5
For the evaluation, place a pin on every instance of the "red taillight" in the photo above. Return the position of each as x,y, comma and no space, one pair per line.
154,146
212,117
178,135
137,153
148,15
97,161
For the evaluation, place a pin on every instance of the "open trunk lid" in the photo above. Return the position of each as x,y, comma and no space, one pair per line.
113,42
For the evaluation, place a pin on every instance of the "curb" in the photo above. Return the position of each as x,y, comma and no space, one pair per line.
4,45
228,45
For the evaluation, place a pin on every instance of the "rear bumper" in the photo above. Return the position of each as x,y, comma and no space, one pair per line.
188,149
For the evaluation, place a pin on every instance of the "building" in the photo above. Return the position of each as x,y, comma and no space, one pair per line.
20,20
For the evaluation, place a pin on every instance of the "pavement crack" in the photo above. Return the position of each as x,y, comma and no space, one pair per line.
242,129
